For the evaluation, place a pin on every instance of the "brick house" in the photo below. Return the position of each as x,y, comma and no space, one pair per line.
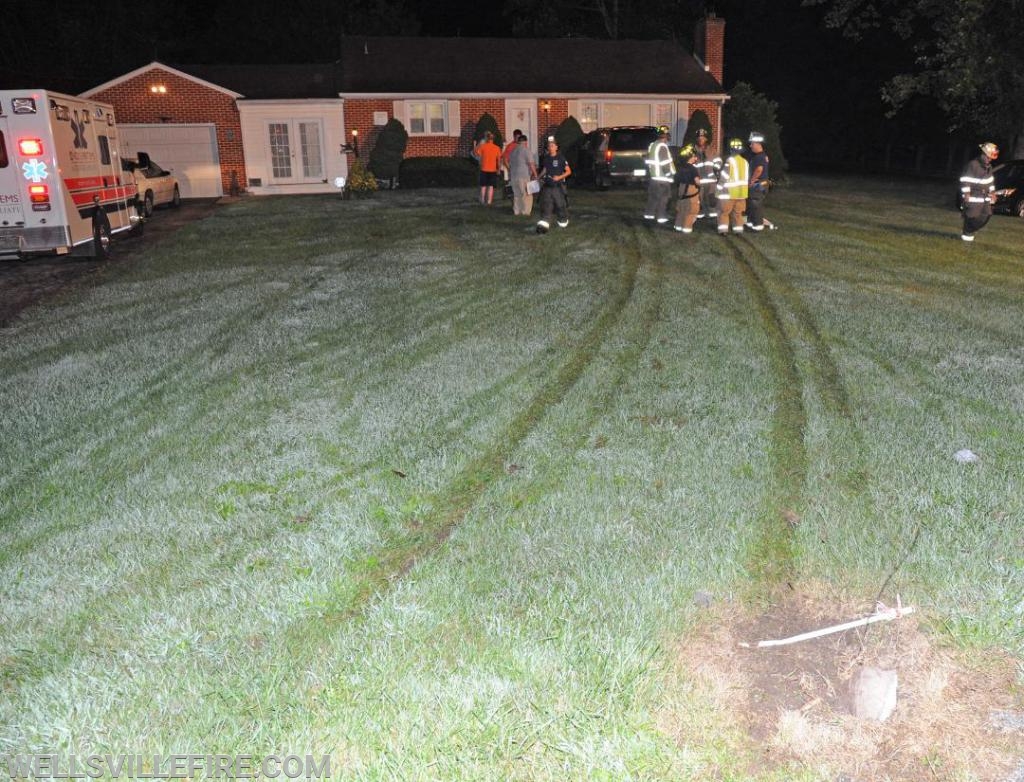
294,128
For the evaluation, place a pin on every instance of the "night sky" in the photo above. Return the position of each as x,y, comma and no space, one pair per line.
827,87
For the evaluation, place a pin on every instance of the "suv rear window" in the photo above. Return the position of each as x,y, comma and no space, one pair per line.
631,139
3,151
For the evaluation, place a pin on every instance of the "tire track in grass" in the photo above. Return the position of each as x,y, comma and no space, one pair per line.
141,398
549,474
432,344
135,424
453,504
457,499
773,555
56,647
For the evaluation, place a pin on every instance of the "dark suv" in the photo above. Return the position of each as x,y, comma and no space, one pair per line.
1009,182
610,155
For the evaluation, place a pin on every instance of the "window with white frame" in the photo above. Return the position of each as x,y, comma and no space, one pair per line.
664,114
588,116
427,118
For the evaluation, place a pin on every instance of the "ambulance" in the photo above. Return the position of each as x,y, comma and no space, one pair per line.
62,188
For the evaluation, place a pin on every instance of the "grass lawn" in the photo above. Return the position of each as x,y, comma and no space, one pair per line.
399,481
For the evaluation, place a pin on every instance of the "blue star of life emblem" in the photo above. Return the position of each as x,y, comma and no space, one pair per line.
35,170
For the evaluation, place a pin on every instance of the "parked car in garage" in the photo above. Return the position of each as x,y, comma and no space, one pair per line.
156,186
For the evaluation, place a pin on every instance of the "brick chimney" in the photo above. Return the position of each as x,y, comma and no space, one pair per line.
709,45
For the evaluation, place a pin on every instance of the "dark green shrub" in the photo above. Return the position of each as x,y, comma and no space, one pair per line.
748,110
438,172
485,123
697,121
569,136
387,153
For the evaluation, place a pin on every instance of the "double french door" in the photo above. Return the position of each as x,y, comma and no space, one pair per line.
296,151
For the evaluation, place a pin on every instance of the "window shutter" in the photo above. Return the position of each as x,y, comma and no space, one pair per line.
574,109
398,112
454,118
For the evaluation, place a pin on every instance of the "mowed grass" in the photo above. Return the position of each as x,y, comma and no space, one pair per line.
398,481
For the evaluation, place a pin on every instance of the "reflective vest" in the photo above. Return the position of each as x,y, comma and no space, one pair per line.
708,164
977,183
732,182
659,162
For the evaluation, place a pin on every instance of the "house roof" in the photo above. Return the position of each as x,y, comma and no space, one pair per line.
262,82
159,66
512,65
455,66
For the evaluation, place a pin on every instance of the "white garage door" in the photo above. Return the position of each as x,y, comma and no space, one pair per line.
190,151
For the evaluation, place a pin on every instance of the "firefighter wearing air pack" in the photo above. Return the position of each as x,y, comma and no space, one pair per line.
708,165
977,186
660,170
732,189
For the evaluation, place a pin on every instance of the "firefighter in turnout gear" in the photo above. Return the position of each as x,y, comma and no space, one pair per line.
554,170
732,189
977,186
660,170
688,180
708,165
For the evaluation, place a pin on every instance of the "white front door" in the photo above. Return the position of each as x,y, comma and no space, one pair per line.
521,115
296,151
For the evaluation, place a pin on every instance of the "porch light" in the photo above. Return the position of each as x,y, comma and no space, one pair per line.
546,105
158,89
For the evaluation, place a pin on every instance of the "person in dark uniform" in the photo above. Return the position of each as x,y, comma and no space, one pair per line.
759,162
554,170
709,165
688,181
977,185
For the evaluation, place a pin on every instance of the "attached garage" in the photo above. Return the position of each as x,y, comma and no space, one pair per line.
188,151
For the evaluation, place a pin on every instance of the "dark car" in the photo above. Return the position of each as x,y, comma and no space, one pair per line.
1009,188
610,155
1009,184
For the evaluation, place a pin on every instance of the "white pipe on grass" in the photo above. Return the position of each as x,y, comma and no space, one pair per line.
882,614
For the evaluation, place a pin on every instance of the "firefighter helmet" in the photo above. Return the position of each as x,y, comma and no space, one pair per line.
990,150
756,137
662,130
687,152
735,143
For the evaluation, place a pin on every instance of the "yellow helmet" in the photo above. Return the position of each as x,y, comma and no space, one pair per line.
687,152
662,130
735,143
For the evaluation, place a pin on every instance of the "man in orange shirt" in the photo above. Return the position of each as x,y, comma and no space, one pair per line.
489,154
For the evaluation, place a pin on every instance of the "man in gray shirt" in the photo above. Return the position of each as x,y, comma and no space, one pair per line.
522,170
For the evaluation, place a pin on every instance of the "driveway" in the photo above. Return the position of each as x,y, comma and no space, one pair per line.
25,283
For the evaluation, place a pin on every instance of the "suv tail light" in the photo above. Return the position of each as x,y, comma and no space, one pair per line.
608,156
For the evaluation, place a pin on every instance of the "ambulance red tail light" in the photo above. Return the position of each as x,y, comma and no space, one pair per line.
30,147
39,195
